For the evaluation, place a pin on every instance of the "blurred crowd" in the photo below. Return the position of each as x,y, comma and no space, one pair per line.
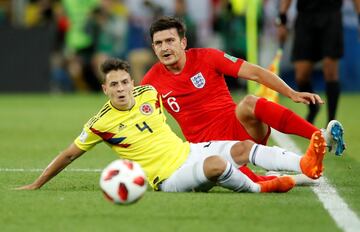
88,31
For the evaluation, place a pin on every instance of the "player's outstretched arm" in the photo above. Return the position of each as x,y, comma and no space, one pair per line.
265,77
57,165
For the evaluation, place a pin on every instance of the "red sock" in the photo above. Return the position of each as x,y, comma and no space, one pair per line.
247,171
283,119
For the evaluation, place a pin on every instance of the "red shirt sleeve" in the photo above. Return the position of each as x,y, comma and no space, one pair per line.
223,62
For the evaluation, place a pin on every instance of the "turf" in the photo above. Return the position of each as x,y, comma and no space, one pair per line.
34,128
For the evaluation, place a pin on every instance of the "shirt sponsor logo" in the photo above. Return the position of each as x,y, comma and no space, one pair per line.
146,109
83,136
198,80
232,58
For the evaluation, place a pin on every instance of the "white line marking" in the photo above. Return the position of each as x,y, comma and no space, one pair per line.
343,216
341,213
40,170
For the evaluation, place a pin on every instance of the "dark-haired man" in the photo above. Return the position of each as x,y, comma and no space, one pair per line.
194,92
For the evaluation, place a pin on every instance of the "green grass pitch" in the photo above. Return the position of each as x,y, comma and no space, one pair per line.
34,128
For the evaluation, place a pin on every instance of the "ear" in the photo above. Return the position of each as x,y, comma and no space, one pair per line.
183,43
104,88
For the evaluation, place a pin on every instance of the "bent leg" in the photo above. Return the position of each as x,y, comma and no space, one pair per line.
241,148
244,111
203,174
252,109
233,179
226,175
189,177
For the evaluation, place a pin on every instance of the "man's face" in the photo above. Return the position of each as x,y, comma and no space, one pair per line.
168,46
118,87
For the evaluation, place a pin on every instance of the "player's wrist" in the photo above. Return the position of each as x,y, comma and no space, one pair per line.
281,19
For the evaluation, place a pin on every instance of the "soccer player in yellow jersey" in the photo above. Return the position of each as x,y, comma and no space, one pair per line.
133,124
138,132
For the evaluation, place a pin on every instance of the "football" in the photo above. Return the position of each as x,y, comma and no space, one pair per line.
123,182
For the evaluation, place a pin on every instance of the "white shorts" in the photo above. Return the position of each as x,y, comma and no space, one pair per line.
190,175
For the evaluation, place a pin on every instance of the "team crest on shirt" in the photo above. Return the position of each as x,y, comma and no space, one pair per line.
198,80
146,109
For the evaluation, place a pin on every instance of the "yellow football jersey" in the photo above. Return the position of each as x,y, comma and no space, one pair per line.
140,134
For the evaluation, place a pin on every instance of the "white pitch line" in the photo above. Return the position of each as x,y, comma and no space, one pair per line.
338,209
341,213
40,170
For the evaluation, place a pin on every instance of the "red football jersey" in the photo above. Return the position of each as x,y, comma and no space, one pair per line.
198,97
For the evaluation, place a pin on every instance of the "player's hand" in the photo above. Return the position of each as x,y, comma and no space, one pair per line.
282,34
28,187
306,98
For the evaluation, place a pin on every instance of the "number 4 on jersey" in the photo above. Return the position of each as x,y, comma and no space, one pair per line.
145,126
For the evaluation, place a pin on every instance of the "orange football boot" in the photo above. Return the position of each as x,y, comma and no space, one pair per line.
280,184
311,163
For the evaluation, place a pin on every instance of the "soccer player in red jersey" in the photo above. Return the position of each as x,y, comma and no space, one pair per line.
194,92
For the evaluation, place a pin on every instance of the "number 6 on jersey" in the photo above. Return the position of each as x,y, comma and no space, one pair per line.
173,104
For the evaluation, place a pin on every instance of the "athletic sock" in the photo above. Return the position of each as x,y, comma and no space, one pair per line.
332,95
253,176
274,158
283,119
235,180
313,108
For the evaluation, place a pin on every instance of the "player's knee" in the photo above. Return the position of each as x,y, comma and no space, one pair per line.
214,166
249,101
302,78
246,106
303,70
330,73
240,151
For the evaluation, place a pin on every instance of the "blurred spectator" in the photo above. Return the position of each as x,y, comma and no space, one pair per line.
39,13
201,12
4,13
50,15
181,12
231,27
61,80
140,55
107,27
79,45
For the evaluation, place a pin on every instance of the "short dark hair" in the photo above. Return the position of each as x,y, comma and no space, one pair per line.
166,22
114,64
